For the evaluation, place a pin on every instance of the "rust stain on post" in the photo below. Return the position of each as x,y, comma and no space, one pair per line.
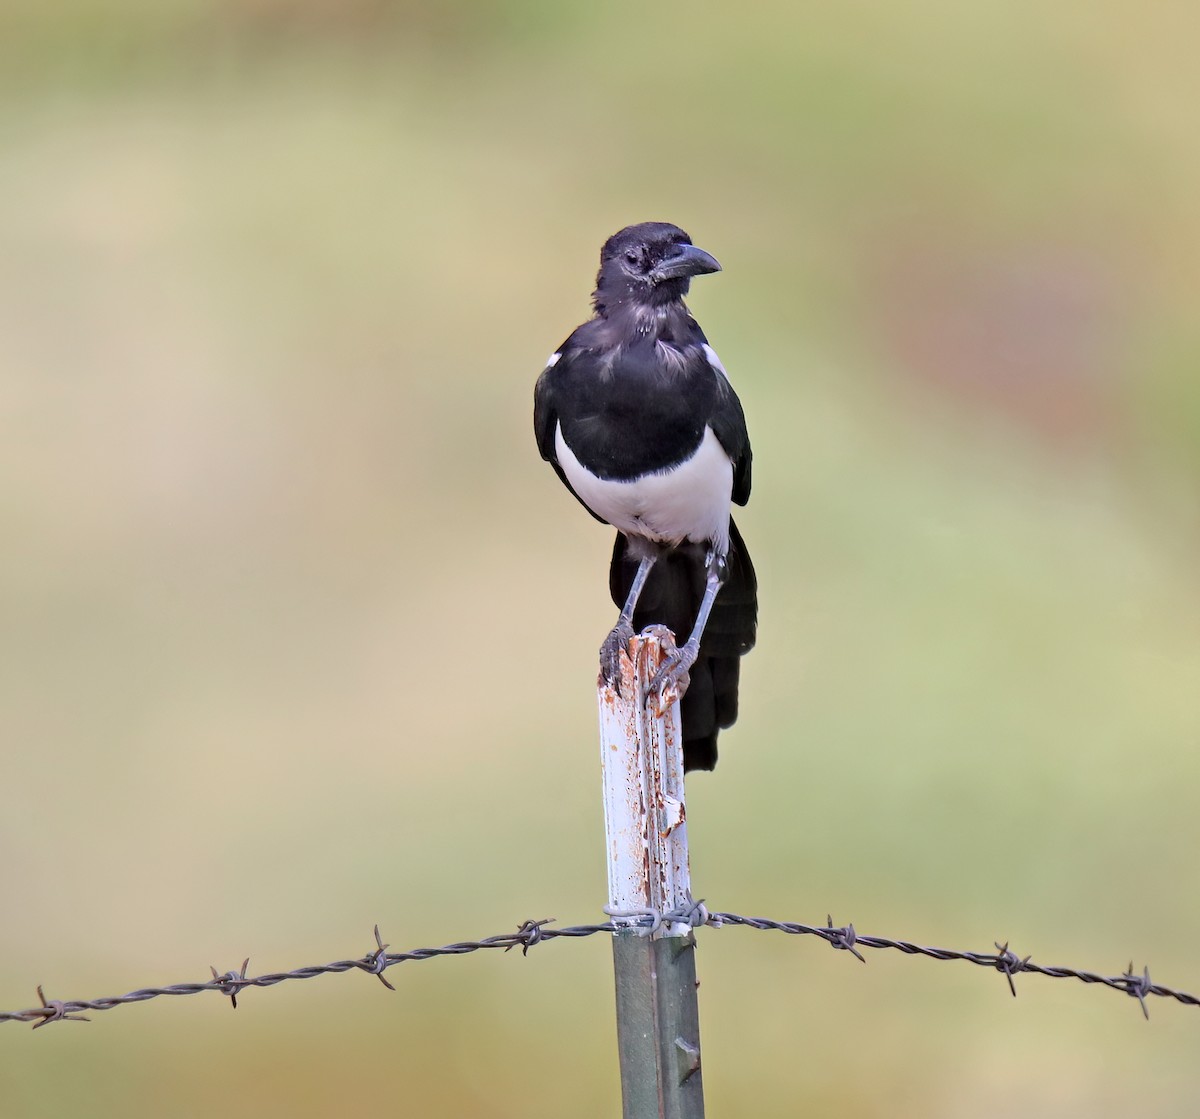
644,809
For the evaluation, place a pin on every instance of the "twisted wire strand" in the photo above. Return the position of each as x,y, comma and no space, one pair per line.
644,922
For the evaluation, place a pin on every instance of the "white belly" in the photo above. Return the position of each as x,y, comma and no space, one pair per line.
687,502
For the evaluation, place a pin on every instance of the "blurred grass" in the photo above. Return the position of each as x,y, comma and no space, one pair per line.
299,633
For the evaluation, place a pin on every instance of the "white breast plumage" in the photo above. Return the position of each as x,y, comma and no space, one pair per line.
690,501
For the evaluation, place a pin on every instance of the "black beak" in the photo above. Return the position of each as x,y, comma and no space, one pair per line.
686,261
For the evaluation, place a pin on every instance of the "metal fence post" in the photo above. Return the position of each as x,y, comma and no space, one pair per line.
658,1024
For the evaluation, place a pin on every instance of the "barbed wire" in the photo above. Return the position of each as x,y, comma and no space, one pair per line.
645,922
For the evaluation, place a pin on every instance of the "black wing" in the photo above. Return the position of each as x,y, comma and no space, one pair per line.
728,421
729,426
545,417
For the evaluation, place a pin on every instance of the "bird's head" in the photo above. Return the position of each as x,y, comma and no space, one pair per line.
648,265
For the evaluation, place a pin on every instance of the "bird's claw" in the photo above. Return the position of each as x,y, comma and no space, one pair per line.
674,673
614,645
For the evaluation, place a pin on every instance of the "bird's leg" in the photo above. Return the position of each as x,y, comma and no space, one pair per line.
673,673
617,642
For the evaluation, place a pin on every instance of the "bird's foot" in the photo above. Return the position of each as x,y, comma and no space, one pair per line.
674,673
615,644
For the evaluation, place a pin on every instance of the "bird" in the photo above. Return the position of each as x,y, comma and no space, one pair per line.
638,417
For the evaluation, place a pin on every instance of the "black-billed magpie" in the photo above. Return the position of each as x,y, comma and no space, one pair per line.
637,416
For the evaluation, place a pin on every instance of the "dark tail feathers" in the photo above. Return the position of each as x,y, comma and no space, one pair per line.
671,597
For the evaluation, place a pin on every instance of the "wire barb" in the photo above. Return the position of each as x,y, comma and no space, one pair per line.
1139,986
231,982
1010,963
694,913
375,962
58,1011
529,935
844,938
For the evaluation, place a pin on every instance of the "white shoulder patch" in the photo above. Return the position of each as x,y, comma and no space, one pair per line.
714,361
552,360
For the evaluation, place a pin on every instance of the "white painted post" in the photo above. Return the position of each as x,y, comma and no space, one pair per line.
658,1029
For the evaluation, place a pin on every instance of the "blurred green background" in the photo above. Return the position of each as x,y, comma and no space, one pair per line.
299,634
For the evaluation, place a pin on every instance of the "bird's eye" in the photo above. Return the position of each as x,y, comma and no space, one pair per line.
632,258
